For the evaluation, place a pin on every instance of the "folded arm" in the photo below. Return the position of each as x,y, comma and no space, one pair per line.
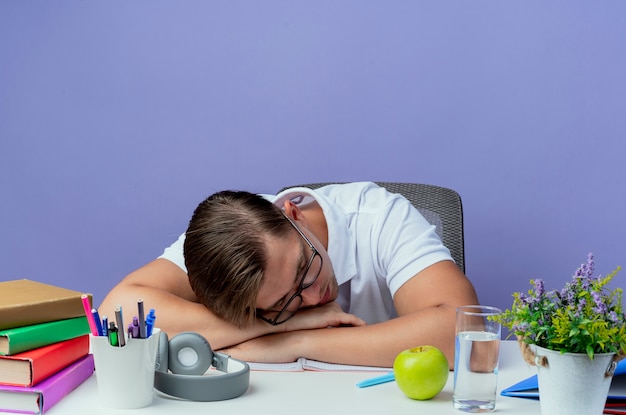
162,285
426,306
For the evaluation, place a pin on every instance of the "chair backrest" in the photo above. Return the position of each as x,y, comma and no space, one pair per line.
441,206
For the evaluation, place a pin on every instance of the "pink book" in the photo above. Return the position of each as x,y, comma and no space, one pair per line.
39,398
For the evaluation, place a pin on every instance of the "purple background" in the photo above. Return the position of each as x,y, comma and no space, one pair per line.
117,118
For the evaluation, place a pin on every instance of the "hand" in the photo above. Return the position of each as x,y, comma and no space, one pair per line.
272,348
327,315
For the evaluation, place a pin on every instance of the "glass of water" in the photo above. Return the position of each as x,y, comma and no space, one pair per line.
476,357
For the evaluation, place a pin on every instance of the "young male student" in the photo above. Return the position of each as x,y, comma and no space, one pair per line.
346,273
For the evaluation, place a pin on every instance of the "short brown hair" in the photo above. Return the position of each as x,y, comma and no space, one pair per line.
225,252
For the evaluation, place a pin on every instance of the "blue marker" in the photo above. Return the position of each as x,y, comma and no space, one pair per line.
96,317
389,377
105,325
150,322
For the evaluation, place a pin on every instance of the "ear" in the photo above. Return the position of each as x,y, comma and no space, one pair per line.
293,211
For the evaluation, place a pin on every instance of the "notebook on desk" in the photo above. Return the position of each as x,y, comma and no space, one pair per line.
529,388
303,364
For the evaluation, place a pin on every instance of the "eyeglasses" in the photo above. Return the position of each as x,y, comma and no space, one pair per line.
309,276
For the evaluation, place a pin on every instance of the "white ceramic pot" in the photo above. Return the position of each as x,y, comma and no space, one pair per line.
572,383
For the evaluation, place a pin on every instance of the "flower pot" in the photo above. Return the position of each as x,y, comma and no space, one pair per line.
572,383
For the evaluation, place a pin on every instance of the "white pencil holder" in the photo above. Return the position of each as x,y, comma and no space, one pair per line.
125,375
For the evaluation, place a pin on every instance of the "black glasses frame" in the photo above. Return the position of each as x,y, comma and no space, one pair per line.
284,314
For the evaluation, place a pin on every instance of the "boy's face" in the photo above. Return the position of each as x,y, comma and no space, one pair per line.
298,260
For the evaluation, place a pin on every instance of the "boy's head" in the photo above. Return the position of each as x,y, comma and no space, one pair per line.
225,251
246,257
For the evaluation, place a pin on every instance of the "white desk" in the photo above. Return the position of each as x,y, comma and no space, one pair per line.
318,393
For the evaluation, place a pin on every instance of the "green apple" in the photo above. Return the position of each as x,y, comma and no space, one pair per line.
421,372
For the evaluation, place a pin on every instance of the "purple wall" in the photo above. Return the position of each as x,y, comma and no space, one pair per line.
117,118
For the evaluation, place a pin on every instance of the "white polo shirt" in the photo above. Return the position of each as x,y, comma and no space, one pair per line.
377,241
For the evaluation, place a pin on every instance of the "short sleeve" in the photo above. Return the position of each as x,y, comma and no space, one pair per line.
174,252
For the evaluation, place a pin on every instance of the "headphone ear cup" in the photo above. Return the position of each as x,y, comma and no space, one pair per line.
162,353
191,345
189,383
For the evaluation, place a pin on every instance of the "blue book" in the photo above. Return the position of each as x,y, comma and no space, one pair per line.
529,388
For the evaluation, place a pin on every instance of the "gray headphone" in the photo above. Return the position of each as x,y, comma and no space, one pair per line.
190,380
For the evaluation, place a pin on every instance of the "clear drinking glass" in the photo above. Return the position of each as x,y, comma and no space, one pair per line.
476,357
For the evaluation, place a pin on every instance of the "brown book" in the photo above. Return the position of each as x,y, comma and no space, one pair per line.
25,302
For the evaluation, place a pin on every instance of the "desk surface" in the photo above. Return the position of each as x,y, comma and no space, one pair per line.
316,393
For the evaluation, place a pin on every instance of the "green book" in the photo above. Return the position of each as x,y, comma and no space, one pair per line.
20,339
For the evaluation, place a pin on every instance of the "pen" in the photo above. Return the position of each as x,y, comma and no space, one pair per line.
142,319
388,377
92,324
120,323
113,334
150,322
105,325
135,327
96,319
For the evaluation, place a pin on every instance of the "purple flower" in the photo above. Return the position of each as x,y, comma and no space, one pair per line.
523,327
585,271
580,305
539,287
568,296
600,307
590,265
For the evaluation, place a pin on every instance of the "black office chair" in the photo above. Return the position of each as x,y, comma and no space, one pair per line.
441,206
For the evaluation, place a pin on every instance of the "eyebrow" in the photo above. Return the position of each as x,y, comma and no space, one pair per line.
299,270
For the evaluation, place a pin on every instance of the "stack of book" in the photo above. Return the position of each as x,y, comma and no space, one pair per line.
44,345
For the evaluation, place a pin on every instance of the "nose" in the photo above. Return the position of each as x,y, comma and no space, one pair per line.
311,295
